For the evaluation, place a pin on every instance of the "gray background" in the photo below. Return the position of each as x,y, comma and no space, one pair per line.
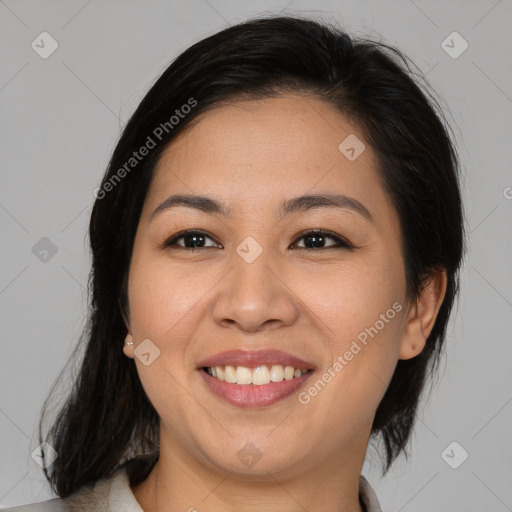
61,118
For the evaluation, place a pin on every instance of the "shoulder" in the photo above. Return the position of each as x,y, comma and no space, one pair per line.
112,494
367,496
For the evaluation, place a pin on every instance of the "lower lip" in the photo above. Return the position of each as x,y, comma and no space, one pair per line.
251,395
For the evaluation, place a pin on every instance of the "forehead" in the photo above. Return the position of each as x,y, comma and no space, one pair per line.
280,130
256,151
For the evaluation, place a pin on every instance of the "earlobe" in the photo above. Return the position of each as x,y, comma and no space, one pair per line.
128,346
422,315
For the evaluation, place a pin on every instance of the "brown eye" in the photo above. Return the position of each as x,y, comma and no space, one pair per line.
192,239
316,239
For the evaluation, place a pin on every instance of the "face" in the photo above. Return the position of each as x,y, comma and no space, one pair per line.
253,276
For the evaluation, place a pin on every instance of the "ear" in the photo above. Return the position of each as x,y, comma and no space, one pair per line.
128,349
422,315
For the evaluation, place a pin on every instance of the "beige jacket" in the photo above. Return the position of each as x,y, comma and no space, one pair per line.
113,494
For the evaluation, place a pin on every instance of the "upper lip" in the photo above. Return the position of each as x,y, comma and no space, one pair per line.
254,358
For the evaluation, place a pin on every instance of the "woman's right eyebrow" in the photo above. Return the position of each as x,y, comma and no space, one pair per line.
203,203
297,204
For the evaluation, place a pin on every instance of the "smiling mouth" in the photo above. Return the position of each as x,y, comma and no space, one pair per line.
258,376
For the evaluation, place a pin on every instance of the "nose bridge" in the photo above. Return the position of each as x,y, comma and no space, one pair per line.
252,268
253,295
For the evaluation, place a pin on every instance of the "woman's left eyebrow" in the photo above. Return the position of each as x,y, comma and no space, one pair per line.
288,206
340,201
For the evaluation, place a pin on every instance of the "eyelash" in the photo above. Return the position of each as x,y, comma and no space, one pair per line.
341,242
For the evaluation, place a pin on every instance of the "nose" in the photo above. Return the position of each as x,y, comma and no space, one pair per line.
255,297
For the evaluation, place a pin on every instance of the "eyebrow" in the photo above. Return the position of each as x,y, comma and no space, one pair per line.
296,204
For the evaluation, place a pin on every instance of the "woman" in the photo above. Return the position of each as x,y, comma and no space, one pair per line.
276,247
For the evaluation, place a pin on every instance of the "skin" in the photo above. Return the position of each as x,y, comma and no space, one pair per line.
251,155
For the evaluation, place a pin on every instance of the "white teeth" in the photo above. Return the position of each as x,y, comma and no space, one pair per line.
258,376
276,373
229,374
243,375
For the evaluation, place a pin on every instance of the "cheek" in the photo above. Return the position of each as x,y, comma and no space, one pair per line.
364,326
361,313
162,297
350,299
163,308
